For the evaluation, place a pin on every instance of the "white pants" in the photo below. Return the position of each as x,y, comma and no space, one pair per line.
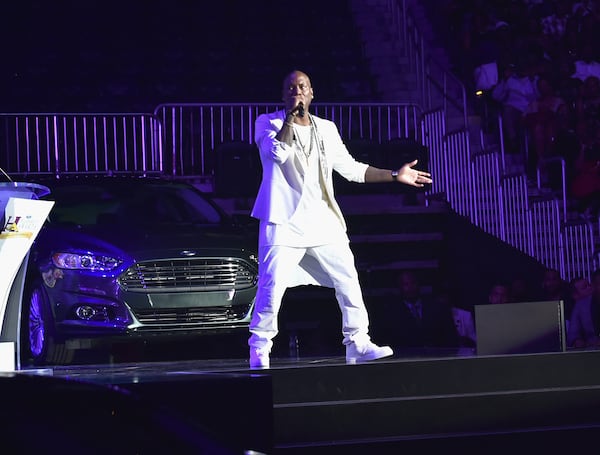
278,264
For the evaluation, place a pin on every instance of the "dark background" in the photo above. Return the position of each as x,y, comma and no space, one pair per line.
130,55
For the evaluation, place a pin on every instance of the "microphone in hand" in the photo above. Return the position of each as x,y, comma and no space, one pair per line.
298,110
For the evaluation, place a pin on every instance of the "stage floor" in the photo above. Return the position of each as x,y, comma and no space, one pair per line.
134,371
416,400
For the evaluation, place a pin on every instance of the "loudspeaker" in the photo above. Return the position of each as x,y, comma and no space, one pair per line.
519,328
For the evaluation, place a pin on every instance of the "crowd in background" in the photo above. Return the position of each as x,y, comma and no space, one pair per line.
535,64
417,317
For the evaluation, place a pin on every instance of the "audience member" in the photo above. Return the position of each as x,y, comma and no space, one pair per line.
587,110
584,324
499,293
417,318
477,41
586,20
520,290
485,50
515,91
553,287
585,181
465,327
554,24
586,64
579,288
585,8
543,120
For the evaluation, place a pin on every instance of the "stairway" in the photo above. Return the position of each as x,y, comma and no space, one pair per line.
387,235
381,24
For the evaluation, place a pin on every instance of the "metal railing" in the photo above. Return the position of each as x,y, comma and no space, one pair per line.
579,243
476,185
473,184
547,241
515,215
486,180
193,131
570,247
52,143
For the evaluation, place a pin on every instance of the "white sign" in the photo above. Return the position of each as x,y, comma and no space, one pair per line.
23,220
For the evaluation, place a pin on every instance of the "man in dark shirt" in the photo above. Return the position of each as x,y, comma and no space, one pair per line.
418,319
584,325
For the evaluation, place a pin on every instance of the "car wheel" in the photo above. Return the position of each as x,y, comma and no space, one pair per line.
42,343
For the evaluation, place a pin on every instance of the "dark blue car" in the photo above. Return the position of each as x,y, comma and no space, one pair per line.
124,257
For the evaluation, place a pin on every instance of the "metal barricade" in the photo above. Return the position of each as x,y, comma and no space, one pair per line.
193,131
181,139
514,203
548,165
547,241
80,143
459,179
433,132
579,250
486,204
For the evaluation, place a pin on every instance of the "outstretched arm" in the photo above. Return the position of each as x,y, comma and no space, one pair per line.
406,174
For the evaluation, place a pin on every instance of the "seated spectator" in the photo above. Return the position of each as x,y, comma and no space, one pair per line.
584,325
499,293
543,120
553,288
519,290
555,23
585,184
587,64
465,327
580,288
583,169
515,91
416,318
485,52
585,8
587,110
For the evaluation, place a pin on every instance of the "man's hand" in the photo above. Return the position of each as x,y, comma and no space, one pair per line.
413,177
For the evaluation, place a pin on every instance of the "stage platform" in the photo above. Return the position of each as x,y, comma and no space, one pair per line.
415,401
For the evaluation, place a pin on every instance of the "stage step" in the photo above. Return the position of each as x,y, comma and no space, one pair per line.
319,406
415,402
388,237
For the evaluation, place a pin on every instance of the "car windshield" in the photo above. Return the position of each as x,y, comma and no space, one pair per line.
155,204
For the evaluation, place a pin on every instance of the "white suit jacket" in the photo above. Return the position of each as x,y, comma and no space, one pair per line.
284,169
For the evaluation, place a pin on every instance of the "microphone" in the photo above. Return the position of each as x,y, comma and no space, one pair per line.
300,109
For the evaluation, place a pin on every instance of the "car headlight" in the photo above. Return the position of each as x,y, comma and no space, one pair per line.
85,261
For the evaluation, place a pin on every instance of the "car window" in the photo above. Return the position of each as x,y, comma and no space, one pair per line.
145,204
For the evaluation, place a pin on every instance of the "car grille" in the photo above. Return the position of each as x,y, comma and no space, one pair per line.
191,274
191,315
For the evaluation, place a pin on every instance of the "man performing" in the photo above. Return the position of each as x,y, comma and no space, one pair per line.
302,236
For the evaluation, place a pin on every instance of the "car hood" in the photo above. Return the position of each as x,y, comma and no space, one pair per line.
142,243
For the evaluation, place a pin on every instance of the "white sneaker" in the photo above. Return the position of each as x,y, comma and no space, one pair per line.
369,351
259,358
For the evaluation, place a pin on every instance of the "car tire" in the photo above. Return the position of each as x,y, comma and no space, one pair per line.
42,345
